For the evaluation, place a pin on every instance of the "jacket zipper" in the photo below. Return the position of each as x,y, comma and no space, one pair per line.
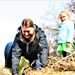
27,48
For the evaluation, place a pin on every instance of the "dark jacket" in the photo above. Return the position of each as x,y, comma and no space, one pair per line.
30,49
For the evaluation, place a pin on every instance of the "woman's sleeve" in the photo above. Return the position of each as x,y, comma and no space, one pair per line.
16,54
43,47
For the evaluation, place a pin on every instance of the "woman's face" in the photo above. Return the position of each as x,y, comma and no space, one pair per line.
63,17
27,32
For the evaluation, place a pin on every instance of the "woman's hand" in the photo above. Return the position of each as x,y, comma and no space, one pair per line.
15,74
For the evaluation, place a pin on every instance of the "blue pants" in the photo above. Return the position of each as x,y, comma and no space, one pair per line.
8,55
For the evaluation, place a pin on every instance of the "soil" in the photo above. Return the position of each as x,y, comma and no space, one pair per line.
56,65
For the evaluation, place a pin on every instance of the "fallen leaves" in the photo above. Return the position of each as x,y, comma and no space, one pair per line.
56,65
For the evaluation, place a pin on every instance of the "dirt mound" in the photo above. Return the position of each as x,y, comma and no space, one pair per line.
5,71
56,65
60,63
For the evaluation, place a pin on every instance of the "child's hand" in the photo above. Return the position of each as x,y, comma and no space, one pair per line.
68,44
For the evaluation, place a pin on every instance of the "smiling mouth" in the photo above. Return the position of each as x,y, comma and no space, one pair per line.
28,36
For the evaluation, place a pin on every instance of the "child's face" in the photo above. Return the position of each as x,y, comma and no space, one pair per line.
63,17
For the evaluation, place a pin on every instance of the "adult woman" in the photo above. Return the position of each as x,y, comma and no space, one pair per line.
29,42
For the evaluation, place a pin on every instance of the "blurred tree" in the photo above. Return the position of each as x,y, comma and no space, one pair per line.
52,10
50,20
71,6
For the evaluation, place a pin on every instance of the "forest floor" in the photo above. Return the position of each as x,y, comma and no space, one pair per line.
56,65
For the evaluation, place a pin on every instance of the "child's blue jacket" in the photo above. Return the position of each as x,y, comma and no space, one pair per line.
66,32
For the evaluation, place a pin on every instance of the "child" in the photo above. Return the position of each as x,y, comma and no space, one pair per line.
66,32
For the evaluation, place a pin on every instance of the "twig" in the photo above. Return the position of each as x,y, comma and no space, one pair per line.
63,59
